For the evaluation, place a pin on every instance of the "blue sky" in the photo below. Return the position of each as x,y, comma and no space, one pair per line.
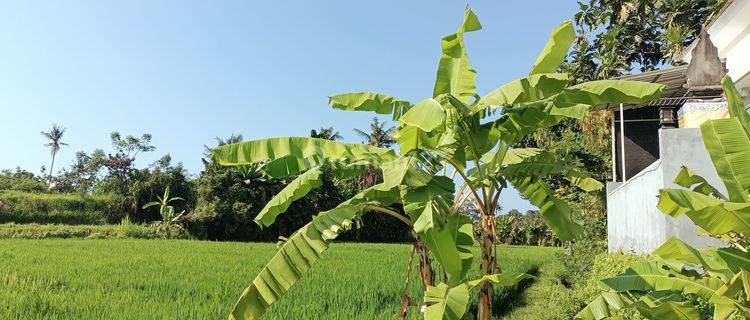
189,71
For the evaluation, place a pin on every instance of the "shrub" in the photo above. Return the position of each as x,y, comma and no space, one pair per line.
565,285
229,198
25,207
515,228
579,264
46,231
21,180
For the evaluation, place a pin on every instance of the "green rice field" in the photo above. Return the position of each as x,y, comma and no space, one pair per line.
183,279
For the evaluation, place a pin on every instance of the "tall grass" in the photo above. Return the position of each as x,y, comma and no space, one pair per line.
181,279
123,230
29,207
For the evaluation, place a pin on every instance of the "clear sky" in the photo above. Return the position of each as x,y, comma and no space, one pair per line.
189,71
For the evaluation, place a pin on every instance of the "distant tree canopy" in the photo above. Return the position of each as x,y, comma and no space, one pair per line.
379,135
619,36
229,198
219,204
326,133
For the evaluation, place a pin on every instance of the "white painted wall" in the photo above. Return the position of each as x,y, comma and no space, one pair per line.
634,224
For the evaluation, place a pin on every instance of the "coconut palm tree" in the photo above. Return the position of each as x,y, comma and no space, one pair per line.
379,135
326,133
233,138
54,136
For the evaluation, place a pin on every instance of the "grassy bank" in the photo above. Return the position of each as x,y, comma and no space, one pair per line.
116,231
560,291
53,208
182,279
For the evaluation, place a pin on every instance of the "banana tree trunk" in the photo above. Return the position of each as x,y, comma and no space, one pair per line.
488,266
405,300
426,274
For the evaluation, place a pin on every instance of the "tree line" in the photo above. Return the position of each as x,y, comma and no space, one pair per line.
218,203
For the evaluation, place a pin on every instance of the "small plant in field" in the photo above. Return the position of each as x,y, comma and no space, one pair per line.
165,210
455,129
682,282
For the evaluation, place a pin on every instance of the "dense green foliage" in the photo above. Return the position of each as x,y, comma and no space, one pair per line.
516,228
100,188
138,279
562,290
21,180
583,143
615,37
54,208
229,198
122,230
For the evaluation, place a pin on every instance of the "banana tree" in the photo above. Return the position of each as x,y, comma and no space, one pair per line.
454,133
165,209
660,288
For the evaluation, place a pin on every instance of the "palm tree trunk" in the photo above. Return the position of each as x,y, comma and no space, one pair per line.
52,165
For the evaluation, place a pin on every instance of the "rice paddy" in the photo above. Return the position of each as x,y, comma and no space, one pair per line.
183,279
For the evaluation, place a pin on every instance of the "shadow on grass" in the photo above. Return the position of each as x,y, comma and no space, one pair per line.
505,299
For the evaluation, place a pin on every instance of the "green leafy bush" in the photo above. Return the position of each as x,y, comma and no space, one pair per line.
21,180
530,229
229,198
567,283
26,207
124,230
579,264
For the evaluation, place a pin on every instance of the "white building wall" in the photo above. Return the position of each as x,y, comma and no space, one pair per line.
684,147
633,222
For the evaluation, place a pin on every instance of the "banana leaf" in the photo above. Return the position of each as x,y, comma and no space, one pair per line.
603,306
666,305
676,249
555,211
532,88
735,259
736,103
455,75
599,92
502,279
687,179
446,303
426,115
650,276
543,169
556,49
287,156
713,215
729,147
368,101
296,189
302,250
